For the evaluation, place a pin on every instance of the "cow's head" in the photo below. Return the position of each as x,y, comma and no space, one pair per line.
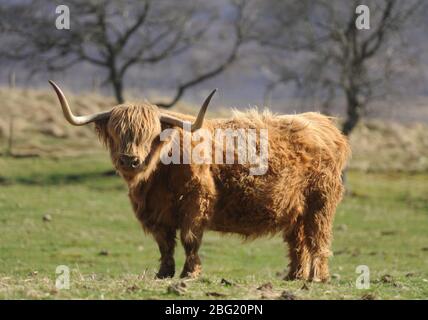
131,132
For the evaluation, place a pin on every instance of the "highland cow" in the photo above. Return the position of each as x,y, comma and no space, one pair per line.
296,196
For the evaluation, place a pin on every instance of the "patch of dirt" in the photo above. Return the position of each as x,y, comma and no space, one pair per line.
305,287
388,233
215,294
266,286
387,278
177,288
133,288
287,295
103,252
368,296
227,283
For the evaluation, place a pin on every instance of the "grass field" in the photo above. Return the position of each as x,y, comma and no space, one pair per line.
71,212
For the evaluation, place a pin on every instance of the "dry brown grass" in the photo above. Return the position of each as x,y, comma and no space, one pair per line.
390,146
40,129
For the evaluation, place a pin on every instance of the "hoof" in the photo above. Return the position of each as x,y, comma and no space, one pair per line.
293,277
191,274
320,280
165,274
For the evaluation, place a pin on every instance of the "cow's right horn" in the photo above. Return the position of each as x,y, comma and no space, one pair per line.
199,119
76,120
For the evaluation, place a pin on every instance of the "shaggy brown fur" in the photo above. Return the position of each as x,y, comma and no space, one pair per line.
297,196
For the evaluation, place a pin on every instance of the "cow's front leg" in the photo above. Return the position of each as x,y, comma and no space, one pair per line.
191,240
166,242
195,210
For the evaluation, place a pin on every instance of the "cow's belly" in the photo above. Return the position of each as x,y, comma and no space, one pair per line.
238,212
254,205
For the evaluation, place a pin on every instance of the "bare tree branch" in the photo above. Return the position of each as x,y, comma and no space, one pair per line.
113,36
337,55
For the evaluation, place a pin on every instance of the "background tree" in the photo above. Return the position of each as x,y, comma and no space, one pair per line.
119,35
316,45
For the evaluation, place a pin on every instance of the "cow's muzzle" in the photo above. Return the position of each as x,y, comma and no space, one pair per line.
129,162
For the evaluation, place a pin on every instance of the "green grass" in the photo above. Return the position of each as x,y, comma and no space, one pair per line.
383,224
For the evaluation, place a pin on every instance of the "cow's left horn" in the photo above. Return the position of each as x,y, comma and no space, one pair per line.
76,120
199,119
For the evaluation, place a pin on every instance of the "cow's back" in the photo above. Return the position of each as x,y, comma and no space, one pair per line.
300,147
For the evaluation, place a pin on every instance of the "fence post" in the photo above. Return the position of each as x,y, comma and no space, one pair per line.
95,84
12,79
9,151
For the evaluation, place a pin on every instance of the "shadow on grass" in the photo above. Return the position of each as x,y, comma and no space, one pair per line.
57,178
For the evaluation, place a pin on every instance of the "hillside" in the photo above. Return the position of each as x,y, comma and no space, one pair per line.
39,129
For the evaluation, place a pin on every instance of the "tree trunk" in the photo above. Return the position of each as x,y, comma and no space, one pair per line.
116,79
118,90
353,116
353,112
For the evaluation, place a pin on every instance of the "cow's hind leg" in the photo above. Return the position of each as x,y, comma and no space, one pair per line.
299,266
191,240
166,241
318,227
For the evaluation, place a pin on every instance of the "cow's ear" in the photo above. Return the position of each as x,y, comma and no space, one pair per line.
101,130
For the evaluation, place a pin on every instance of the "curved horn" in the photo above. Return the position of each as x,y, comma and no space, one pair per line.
199,119
71,118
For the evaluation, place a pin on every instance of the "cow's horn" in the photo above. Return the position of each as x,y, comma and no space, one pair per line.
199,119
76,120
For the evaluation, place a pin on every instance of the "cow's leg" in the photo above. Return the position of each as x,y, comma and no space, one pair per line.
318,226
197,208
319,241
191,240
166,242
299,266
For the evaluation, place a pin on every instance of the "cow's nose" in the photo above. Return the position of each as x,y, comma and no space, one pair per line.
129,161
